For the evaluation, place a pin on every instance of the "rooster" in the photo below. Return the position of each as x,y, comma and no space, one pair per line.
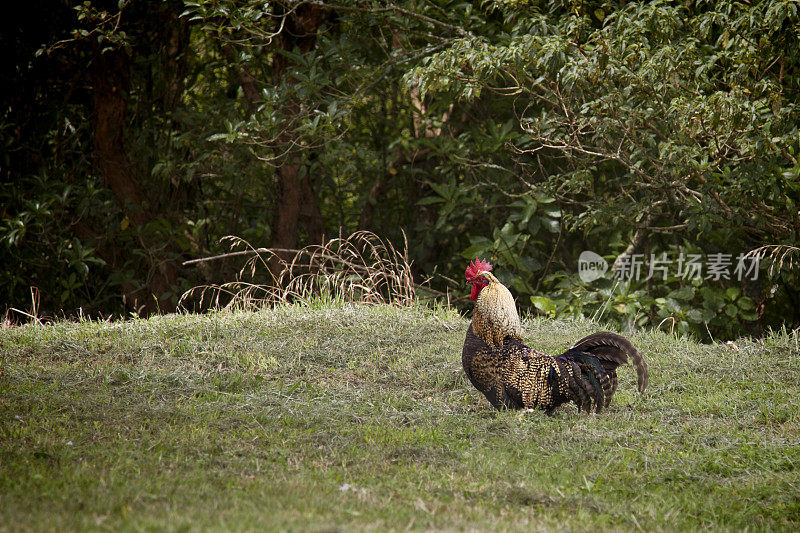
514,376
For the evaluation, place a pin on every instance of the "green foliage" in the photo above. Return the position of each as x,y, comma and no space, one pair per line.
679,121
706,312
523,132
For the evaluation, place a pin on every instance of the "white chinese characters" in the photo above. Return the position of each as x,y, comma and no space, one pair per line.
717,266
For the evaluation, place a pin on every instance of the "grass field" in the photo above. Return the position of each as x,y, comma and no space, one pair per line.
339,417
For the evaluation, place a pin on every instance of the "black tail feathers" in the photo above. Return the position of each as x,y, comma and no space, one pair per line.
592,376
613,350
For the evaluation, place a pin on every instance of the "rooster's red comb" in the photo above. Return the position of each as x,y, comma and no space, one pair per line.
476,266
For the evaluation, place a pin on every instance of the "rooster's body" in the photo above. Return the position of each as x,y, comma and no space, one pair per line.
514,376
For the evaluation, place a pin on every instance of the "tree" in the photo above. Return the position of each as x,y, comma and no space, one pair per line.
675,124
523,132
70,118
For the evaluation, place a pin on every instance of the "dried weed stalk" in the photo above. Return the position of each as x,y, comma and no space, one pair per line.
359,268
778,255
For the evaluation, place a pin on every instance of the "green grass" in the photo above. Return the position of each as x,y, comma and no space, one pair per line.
344,417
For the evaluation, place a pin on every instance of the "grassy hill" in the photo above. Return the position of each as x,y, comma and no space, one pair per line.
333,416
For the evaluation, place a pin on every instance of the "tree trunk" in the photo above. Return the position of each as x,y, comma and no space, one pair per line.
295,201
109,98
287,209
310,215
111,80
296,197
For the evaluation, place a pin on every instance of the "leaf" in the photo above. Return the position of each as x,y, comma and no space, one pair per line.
474,251
712,300
543,303
552,211
544,199
534,224
684,293
695,316
530,264
428,200
443,190
553,226
732,293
